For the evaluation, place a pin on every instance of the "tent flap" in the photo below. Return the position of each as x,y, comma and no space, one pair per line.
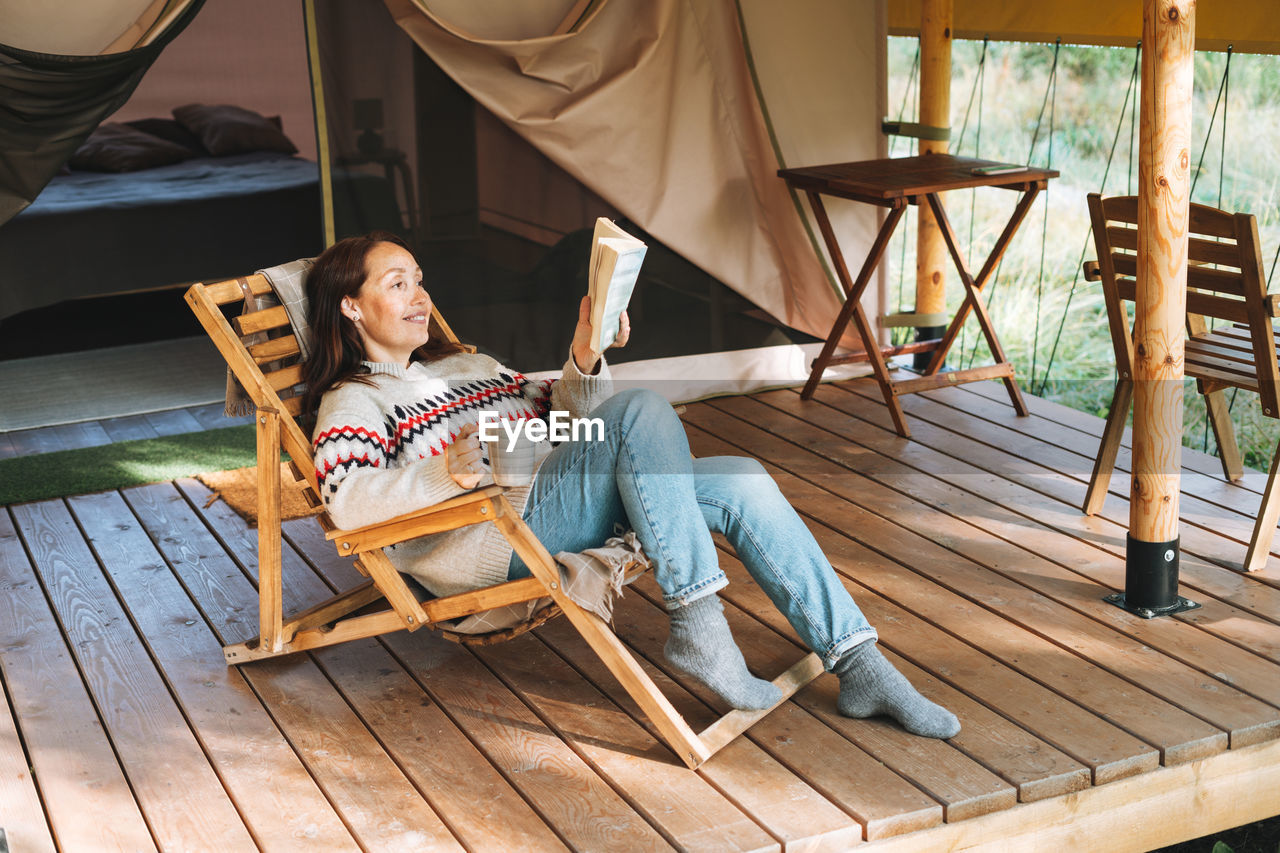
650,104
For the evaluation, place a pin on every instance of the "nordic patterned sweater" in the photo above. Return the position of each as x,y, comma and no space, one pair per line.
380,451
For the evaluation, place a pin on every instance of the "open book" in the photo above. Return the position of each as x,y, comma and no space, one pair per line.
615,263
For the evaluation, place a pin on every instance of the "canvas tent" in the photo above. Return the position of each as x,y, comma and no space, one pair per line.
648,110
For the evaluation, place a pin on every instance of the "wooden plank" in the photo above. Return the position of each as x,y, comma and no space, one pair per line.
285,377
85,793
583,809
261,321
1198,249
1208,562
274,349
481,807
279,801
24,826
1157,809
1047,412
789,805
24,823
963,788
1244,669
689,812
1206,304
7,449
129,428
178,791
1203,219
369,792
1033,766
222,292
1122,753
952,377
173,422
84,434
1217,705
1201,547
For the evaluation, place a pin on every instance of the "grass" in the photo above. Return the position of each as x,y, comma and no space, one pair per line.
1052,323
127,463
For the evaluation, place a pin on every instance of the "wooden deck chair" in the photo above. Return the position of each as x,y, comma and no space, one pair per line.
1224,282
276,396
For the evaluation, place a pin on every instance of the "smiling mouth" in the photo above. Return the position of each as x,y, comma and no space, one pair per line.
417,318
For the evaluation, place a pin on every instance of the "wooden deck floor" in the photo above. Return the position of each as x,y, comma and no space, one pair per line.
1084,727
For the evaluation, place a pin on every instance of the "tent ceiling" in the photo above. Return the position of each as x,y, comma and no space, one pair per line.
1249,26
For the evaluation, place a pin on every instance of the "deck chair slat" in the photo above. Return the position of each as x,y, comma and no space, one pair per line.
466,603
1199,250
1197,360
293,405
1226,377
285,377
1204,220
1226,348
275,349
224,292
1213,252
1202,278
1204,304
275,317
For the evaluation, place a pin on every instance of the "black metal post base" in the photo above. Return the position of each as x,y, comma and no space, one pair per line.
1151,580
920,361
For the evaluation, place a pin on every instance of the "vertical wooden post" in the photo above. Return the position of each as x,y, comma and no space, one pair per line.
270,588
1168,48
935,111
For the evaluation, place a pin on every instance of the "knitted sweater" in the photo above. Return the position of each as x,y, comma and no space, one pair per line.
380,451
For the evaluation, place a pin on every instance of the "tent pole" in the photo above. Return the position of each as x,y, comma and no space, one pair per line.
322,122
935,112
1152,555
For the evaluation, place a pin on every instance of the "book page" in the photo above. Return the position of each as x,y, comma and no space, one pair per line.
615,263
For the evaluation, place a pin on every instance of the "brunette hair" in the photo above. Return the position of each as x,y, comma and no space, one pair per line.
337,352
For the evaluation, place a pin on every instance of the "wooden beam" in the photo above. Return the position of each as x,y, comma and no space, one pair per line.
1153,810
1160,313
935,111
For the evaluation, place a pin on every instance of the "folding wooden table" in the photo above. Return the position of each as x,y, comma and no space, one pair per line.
895,183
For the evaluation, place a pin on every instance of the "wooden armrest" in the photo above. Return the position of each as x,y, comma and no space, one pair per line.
1091,272
1273,305
471,508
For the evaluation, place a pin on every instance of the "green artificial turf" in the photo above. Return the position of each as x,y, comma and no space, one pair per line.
126,463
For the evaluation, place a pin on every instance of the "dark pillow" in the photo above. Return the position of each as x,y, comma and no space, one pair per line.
225,129
118,148
170,129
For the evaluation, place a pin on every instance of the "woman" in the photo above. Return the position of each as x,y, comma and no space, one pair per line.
397,430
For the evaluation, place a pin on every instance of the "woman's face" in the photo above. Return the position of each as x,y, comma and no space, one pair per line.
391,309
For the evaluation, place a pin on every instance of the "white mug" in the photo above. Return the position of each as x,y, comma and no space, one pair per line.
513,467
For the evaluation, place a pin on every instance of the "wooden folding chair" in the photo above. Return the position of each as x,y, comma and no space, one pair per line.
1225,283
276,395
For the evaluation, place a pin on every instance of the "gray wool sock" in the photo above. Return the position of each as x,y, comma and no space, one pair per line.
702,646
870,685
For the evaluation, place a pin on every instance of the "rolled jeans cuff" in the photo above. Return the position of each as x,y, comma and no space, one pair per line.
839,648
693,592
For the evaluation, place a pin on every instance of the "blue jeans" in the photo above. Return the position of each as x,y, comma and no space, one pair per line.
641,476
